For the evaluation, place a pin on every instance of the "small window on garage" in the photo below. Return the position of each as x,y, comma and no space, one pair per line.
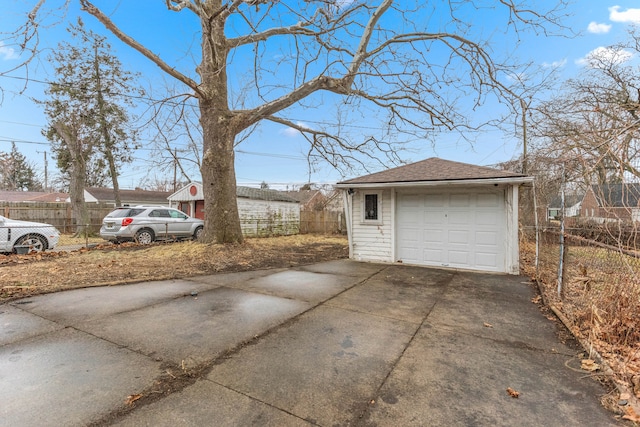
372,207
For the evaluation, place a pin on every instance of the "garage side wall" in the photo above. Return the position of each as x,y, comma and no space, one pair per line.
372,241
268,218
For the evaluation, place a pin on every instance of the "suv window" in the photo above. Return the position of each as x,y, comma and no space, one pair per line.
159,213
121,213
177,214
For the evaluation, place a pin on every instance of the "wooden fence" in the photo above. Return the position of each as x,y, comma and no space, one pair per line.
60,216
57,214
322,222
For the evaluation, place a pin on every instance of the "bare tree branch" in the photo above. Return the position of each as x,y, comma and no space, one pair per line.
97,13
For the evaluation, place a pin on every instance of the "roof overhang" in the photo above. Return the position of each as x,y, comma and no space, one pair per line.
520,180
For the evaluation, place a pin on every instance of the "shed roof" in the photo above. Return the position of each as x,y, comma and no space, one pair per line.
32,196
303,196
144,196
264,194
433,169
184,194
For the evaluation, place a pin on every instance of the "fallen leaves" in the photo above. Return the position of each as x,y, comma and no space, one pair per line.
511,392
132,398
589,365
128,263
631,415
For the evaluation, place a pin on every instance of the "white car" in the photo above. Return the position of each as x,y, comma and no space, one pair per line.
27,235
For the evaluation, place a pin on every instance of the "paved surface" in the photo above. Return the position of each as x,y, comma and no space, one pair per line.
334,344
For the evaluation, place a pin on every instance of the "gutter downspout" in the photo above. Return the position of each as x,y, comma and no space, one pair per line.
347,200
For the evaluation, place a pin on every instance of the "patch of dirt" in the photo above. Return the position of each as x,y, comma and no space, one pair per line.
27,275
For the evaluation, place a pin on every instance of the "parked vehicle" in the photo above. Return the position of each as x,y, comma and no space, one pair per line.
26,236
145,224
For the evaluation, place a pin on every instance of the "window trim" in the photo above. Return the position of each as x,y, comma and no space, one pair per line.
378,220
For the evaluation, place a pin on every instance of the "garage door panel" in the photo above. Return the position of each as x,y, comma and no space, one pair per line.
488,200
411,201
462,230
459,217
433,256
487,260
434,200
487,218
433,236
432,218
458,258
486,238
458,236
459,200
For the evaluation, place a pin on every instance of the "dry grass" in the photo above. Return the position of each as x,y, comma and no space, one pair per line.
601,298
26,275
70,240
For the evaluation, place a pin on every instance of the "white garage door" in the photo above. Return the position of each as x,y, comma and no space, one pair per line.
461,230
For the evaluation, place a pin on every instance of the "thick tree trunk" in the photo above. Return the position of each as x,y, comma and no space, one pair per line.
222,222
77,176
219,129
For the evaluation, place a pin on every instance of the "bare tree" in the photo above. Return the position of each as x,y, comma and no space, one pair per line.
595,122
69,129
384,58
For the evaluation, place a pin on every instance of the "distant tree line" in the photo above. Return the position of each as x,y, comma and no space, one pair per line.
17,173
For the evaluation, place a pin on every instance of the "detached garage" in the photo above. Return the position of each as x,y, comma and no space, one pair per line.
436,213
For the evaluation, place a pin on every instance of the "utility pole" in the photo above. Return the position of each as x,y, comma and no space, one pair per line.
524,136
46,165
175,169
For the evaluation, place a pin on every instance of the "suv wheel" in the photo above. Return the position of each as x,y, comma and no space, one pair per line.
145,236
198,234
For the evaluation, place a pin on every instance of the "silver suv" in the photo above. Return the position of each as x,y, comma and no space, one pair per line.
145,224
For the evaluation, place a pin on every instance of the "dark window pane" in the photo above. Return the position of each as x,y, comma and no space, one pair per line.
371,206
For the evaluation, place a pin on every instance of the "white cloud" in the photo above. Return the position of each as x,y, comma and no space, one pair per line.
555,64
596,28
629,15
605,55
7,53
343,3
292,132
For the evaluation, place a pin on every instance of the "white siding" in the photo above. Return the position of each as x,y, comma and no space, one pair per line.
267,218
372,242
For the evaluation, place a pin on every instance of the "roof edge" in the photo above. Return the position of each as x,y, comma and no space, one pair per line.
485,181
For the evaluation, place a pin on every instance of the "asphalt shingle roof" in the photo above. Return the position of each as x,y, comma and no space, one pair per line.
263,194
432,169
617,195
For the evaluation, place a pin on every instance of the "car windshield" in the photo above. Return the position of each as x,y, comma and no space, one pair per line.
121,213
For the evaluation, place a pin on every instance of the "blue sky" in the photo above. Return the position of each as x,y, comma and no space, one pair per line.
273,153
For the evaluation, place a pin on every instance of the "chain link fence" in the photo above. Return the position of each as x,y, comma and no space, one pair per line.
590,272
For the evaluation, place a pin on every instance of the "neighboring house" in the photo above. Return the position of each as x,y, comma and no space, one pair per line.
572,203
334,202
436,213
127,197
262,211
33,196
612,202
310,200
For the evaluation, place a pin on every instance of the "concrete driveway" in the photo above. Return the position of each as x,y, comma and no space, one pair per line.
333,344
